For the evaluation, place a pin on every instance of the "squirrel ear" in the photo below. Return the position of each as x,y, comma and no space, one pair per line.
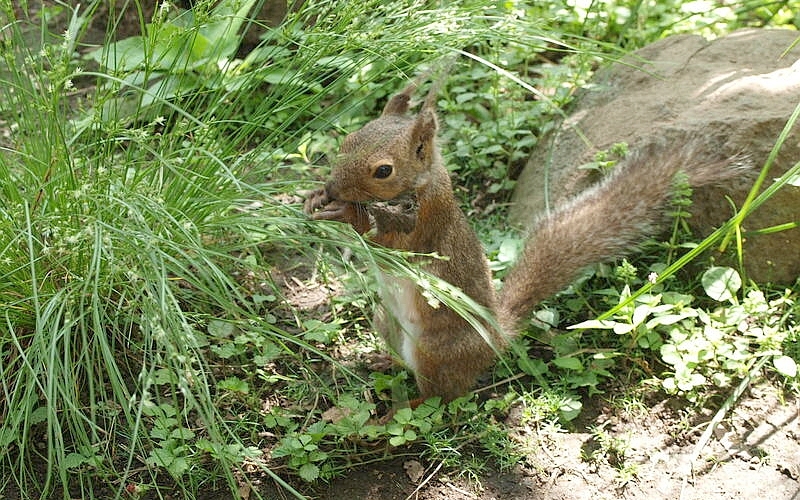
398,104
424,131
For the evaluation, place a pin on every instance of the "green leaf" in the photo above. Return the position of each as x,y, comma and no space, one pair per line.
319,331
178,466
428,408
260,299
667,319
229,350
223,35
337,61
549,317
721,283
404,415
220,329
317,456
670,355
623,328
424,426
285,77
182,433
7,436
594,323
397,440
568,362
159,433
164,376
122,56
650,340
465,96
320,336
73,460
570,408
532,366
785,365
509,249
394,429
269,351
234,384
309,472
161,457
38,415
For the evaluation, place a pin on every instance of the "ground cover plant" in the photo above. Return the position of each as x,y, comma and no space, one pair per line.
171,321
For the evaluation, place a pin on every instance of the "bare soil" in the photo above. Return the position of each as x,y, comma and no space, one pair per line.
753,454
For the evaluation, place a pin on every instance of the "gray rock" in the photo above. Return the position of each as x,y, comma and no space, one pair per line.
737,91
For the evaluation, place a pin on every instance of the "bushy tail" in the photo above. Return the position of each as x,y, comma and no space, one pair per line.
604,222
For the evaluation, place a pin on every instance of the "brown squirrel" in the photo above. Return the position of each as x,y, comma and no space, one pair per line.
390,175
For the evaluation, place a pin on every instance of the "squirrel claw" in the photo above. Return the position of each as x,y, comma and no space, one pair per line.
316,200
334,210
351,213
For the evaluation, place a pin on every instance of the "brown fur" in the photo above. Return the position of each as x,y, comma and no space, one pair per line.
444,351
602,223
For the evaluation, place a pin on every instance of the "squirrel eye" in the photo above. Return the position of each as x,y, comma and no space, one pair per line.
382,172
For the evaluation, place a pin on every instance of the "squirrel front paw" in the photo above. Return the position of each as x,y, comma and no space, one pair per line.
321,207
315,200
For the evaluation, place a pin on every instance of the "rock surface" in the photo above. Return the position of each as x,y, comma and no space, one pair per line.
737,91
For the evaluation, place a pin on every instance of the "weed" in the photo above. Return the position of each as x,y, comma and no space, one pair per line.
605,448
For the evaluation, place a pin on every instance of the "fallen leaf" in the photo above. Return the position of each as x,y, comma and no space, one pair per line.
335,414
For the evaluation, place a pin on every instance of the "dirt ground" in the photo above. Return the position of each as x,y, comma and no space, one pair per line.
753,454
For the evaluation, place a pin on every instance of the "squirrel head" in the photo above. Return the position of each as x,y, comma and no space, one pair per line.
390,157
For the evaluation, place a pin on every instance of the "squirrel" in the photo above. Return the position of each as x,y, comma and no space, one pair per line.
389,176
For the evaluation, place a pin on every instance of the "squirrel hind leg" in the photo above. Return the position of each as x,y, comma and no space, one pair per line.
447,382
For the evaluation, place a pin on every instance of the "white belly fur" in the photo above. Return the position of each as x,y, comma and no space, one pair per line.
398,296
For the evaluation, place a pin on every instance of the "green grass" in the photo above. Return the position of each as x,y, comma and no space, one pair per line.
142,213
126,222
